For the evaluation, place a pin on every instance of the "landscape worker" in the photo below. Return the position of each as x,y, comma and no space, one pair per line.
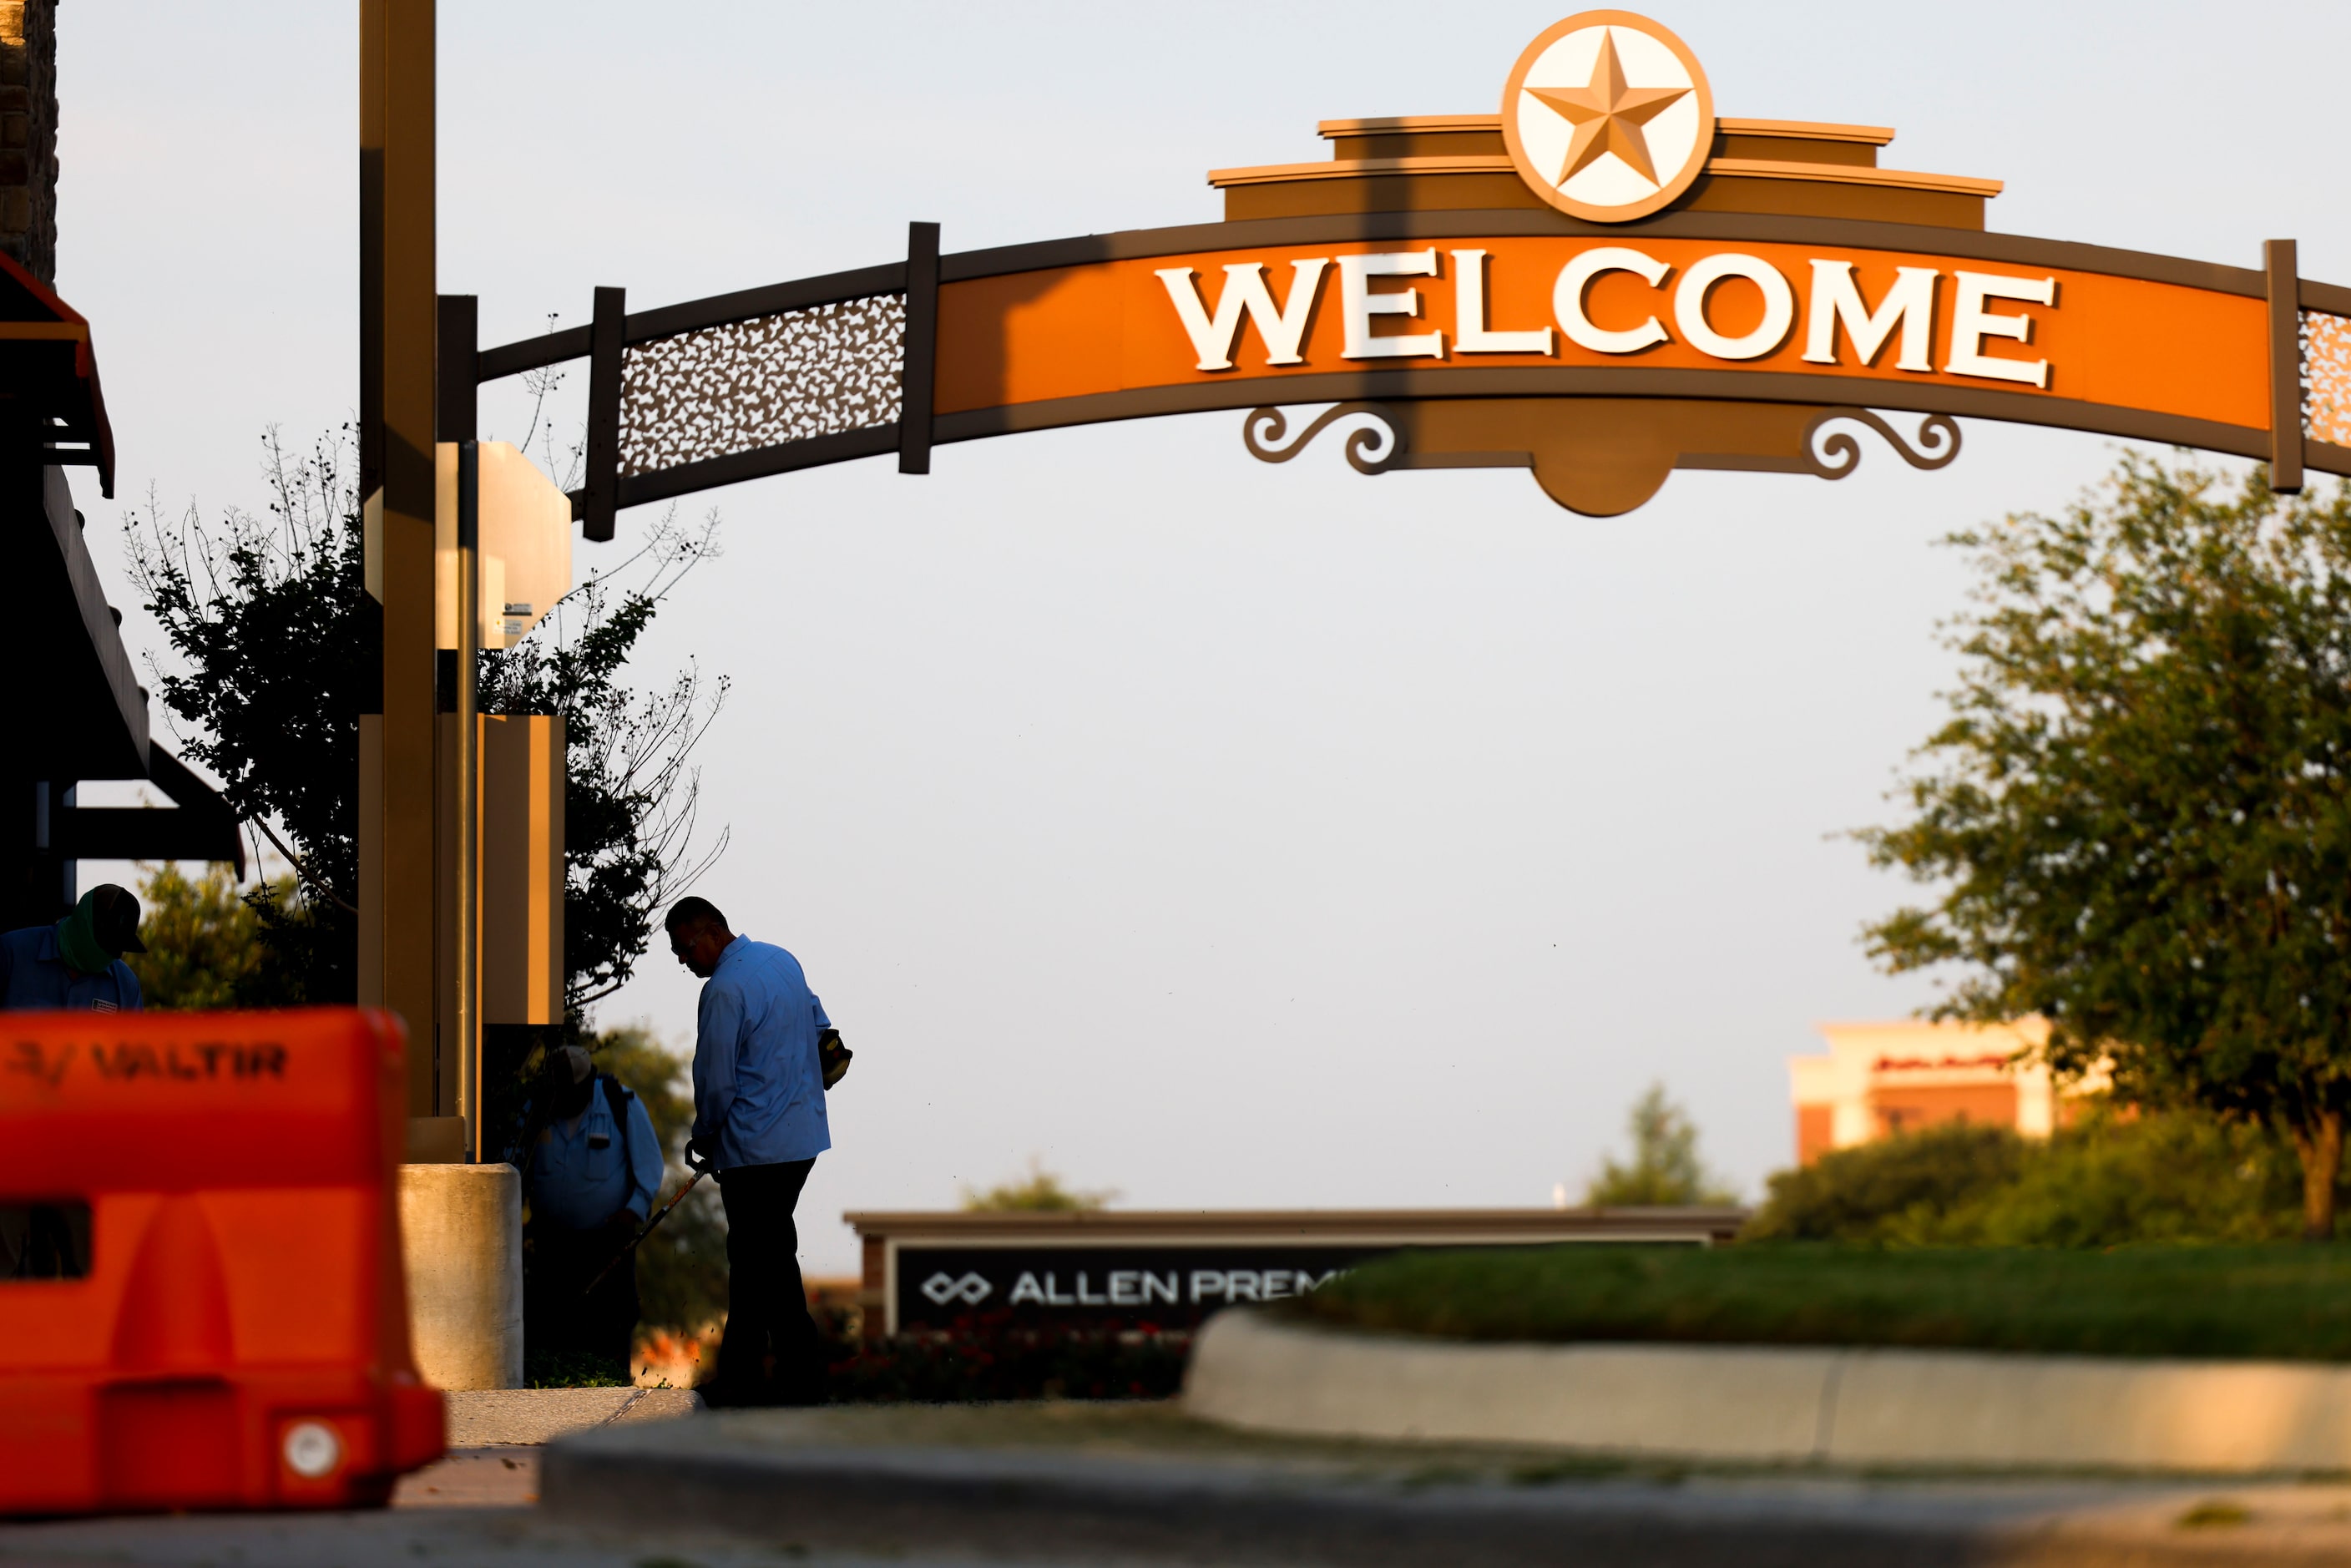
595,1167
760,1121
78,962
75,963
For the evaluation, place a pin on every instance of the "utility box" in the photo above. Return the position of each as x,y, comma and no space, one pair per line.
202,1303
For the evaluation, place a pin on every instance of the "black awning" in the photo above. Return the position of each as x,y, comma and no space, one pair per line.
201,827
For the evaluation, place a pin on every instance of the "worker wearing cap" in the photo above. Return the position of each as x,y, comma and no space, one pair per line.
759,1120
75,964
594,1166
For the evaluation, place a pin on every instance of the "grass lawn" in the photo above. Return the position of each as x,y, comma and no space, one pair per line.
2287,1302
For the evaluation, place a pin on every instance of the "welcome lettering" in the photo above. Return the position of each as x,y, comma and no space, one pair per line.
1841,325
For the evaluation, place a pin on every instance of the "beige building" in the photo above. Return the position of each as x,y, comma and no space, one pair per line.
1879,1079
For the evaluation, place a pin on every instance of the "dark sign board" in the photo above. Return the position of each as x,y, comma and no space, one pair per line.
1172,1267
1132,1282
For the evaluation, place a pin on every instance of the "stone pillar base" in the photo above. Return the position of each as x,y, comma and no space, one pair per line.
461,1241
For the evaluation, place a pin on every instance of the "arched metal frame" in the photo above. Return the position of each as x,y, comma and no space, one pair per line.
829,363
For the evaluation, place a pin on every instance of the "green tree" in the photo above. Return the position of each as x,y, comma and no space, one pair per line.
277,649
202,941
2137,818
1665,1168
630,793
1041,1191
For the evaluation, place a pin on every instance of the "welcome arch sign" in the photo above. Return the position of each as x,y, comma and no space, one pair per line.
1601,282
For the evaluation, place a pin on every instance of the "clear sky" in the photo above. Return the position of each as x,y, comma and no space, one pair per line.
1228,835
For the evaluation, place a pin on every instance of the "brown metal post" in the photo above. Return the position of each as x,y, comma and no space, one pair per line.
456,411
921,362
457,399
396,417
2285,365
463,1055
604,346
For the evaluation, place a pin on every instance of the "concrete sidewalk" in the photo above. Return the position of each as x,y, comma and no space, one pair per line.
490,1418
1033,1486
1097,1484
495,1436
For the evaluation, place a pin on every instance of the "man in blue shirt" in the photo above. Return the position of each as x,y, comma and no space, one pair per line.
595,1165
78,962
759,1119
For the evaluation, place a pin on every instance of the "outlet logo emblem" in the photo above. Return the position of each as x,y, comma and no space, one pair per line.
1608,116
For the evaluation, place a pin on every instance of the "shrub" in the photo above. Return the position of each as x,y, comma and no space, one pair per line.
987,1358
2119,1176
1896,1189
2180,1175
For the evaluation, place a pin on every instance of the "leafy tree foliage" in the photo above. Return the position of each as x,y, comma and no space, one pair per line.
2137,818
630,795
1041,1191
202,942
1665,1168
277,649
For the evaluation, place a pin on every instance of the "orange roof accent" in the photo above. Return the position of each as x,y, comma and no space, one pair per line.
1849,174
1356,168
1736,168
1806,129
1796,130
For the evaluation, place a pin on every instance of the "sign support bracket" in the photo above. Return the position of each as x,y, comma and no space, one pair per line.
604,345
921,346
2281,272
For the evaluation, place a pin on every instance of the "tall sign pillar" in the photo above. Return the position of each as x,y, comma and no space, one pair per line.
396,409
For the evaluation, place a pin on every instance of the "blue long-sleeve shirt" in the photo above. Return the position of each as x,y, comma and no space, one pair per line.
585,1171
758,1088
34,974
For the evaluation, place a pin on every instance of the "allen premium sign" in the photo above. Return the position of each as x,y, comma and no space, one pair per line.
1169,1269
1601,281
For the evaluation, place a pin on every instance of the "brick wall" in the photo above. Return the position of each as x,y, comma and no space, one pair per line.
28,134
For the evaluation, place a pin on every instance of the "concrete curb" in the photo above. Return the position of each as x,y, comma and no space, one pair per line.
814,1490
1857,1408
491,1417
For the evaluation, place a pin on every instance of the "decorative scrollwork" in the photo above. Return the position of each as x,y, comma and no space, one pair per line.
1371,448
1838,453
761,383
2326,377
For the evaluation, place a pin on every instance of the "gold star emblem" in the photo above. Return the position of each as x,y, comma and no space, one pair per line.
1608,116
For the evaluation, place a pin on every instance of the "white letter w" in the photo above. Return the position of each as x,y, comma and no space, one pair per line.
1245,289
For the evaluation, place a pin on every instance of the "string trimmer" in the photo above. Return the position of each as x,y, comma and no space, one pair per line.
646,1230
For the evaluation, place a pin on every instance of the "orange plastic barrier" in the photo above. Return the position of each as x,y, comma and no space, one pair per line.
240,1336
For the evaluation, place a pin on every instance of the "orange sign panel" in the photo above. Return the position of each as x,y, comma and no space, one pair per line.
1882,319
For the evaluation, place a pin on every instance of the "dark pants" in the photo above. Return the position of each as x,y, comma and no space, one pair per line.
767,1307
561,1316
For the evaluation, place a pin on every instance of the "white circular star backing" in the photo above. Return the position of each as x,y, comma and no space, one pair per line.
1609,116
